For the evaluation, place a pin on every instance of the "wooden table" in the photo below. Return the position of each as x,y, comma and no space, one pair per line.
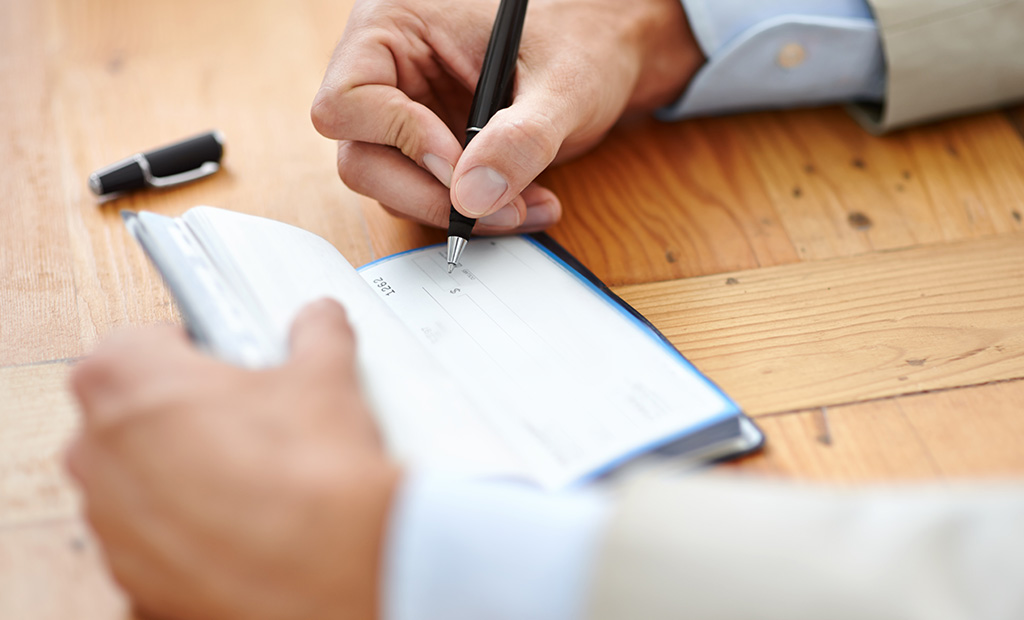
862,297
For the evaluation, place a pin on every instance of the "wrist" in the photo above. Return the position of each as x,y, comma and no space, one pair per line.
353,498
669,55
380,500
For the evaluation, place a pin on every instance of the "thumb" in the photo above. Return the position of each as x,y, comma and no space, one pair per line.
322,340
501,161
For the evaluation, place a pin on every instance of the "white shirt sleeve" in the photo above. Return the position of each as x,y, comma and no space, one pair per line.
460,550
781,53
470,550
747,549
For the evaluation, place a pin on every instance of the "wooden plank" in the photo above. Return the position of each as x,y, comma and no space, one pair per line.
961,434
38,310
972,432
960,179
256,86
832,332
95,86
855,444
660,201
665,201
54,571
38,418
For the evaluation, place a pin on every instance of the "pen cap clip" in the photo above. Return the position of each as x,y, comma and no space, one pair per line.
205,170
182,162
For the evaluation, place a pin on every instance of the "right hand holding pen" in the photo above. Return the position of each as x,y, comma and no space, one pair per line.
397,92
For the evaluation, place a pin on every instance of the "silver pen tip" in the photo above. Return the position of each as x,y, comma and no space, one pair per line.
455,246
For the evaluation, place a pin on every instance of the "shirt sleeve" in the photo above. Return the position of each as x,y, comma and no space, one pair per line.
781,53
745,549
465,550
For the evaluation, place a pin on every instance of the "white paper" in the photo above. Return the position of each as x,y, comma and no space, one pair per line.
425,421
512,365
567,378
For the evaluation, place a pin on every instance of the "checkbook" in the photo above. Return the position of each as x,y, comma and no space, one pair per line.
520,364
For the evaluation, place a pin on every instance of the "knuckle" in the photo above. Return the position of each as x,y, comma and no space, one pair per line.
437,213
402,131
321,112
89,373
534,140
349,166
333,114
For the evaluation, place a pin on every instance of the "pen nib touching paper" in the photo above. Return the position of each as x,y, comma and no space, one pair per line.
455,247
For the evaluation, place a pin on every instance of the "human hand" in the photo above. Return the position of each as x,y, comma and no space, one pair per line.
230,494
397,93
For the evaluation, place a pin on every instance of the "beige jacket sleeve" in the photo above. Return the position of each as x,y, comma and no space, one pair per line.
947,57
719,549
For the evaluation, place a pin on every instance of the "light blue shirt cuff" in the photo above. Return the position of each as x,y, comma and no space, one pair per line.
781,53
466,550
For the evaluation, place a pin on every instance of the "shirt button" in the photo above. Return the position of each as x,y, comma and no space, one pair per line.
791,56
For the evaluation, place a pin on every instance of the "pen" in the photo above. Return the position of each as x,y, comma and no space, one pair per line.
166,166
493,92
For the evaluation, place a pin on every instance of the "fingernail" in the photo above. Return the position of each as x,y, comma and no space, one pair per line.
505,217
439,168
540,216
479,189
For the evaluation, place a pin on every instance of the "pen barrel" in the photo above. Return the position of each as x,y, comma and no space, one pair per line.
185,156
460,225
497,75
493,88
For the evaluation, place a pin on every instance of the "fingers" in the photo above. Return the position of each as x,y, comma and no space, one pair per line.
322,341
124,364
383,97
361,99
408,191
515,146
384,115
388,176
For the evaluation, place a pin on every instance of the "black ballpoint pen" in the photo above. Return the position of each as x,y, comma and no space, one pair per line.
493,92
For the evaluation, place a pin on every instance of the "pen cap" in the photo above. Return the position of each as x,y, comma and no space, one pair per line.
170,165
186,155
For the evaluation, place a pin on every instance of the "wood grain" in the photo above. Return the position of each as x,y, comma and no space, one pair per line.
824,333
53,570
877,278
972,433
38,316
37,419
854,444
954,435
97,84
663,201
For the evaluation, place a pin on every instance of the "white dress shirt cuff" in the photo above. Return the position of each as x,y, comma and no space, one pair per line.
466,550
781,53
